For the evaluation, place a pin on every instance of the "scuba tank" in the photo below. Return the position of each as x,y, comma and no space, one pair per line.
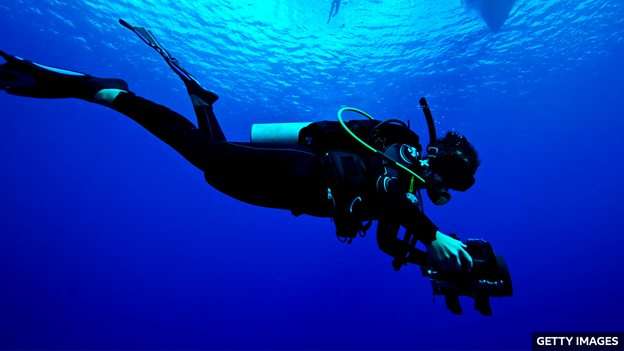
370,134
340,145
326,136
277,133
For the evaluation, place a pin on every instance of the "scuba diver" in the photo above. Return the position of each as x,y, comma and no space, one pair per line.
333,11
354,172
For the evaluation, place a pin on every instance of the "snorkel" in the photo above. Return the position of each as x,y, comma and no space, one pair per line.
438,194
433,135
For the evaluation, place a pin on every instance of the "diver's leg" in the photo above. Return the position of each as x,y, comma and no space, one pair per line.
331,11
25,78
286,178
270,177
203,100
164,123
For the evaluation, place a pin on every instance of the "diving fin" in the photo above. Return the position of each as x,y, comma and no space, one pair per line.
26,78
201,98
198,94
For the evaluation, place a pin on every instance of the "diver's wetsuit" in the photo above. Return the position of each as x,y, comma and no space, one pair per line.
287,178
291,178
297,178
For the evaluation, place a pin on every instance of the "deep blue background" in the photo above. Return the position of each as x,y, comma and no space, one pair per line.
108,239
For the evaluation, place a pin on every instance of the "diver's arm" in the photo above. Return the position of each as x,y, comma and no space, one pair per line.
443,251
388,241
397,204
416,222
403,250
404,210
403,207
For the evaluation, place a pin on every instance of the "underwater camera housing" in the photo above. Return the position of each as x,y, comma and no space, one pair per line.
489,278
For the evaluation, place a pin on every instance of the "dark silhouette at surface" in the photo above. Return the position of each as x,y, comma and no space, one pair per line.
493,12
333,11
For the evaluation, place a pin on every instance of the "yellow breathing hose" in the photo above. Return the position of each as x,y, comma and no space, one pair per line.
370,148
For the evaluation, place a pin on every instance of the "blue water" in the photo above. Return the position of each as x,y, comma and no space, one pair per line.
109,239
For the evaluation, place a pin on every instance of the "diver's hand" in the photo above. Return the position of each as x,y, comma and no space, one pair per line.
448,254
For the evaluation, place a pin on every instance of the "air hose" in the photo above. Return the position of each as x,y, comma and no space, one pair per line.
370,148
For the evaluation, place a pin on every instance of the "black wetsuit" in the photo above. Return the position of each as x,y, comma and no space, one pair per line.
293,178
326,175
286,178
